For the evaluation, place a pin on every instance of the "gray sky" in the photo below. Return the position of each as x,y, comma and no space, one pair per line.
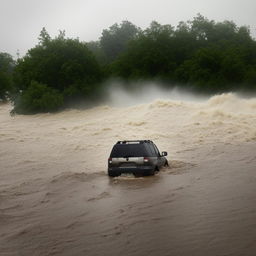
22,20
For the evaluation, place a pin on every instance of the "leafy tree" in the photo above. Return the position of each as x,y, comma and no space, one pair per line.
66,65
6,69
202,69
201,28
208,55
96,49
214,69
185,43
115,39
44,37
5,86
149,55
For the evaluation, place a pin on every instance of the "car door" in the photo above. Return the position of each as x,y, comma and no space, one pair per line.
160,158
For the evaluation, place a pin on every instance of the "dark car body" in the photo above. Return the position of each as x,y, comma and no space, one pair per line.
140,157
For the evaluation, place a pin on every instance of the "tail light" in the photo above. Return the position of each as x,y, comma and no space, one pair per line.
110,160
146,160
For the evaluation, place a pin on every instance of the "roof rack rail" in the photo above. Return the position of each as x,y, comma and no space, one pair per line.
133,141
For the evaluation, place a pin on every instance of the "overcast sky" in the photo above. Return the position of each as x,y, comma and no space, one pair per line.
22,20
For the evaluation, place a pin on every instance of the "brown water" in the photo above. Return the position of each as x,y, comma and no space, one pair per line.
56,199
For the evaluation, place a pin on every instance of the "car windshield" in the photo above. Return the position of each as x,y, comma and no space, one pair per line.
129,150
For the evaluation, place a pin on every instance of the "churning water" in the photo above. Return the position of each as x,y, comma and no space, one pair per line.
56,199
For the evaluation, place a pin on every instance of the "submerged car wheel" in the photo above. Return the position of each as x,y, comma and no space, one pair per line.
113,174
152,172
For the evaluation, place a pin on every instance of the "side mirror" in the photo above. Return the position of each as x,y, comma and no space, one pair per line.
164,153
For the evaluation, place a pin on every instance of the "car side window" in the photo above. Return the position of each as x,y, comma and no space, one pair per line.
156,149
152,150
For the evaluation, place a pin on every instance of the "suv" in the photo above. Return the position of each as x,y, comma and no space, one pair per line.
140,157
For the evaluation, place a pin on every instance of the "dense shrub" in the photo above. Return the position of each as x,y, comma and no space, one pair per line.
6,68
38,98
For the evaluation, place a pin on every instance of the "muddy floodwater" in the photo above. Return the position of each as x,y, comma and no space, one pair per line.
56,197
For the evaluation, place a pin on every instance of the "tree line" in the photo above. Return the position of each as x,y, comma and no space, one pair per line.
201,54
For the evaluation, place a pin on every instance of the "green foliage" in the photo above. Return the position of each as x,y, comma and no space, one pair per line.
66,65
44,38
5,86
209,56
58,63
206,55
6,69
115,39
213,69
38,98
96,49
149,55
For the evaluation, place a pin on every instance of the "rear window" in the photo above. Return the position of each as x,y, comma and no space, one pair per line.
129,150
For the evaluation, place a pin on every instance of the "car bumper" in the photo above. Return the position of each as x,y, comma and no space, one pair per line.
143,170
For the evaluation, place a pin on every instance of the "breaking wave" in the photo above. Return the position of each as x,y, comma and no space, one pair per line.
83,138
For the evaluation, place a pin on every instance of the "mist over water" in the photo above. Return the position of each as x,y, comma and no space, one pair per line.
56,198
122,95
